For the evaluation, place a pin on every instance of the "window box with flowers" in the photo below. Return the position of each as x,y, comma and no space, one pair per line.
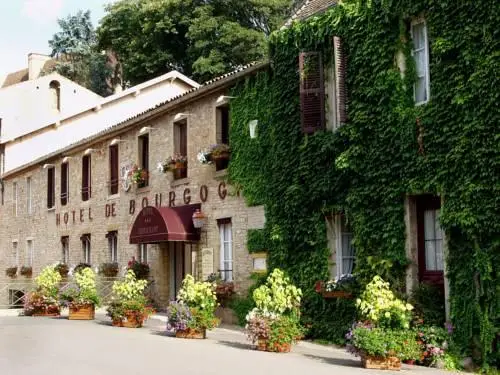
341,287
218,154
139,176
177,164
11,272
83,299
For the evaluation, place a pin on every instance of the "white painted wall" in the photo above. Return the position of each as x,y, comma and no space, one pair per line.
98,117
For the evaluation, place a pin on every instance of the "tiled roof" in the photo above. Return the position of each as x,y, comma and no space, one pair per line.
310,8
206,87
15,77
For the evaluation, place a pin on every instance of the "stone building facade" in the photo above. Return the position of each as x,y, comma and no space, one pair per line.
46,217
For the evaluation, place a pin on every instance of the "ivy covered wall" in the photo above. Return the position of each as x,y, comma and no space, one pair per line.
388,149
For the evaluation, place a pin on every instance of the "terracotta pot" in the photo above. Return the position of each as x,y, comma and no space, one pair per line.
132,321
381,363
221,161
180,171
337,294
409,362
191,334
82,312
262,345
117,323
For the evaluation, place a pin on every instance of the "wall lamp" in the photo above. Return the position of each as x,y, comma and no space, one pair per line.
115,141
223,98
146,129
178,116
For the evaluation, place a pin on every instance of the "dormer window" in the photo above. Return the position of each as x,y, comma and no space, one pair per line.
55,95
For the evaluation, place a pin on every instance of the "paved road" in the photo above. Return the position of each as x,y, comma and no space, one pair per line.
49,346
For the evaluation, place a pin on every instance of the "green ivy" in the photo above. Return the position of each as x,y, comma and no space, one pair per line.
257,240
390,148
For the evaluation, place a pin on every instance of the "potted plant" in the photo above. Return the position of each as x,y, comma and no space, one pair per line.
383,339
80,266
178,165
140,269
43,301
138,175
220,154
11,272
194,311
26,271
63,269
273,325
83,299
128,307
109,269
340,287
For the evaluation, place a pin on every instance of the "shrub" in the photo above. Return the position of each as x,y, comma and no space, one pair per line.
63,269
428,301
86,291
141,270
81,266
48,281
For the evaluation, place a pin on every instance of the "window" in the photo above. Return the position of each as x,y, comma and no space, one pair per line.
65,249
15,252
29,207
433,238
144,156
420,53
51,184
226,250
30,252
312,91
86,248
143,253
14,198
223,123
113,170
55,95
64,183
340,243
180,146
113,246
86,178
336,95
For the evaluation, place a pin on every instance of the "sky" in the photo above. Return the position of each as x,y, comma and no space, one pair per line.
27,25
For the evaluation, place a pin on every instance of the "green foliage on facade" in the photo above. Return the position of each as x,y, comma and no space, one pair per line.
257,240
390,148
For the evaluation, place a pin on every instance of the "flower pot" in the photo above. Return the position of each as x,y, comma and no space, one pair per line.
117,323
191,333
263,345
381,363
132,320
221,161
336,294
180,171
410,362
47,311
82,312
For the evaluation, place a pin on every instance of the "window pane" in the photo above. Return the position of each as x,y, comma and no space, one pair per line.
430,255
418,35
439,255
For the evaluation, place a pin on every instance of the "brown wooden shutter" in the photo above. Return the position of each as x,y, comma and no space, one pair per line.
340,79
50,187
113,169
86,178
312,91
64,183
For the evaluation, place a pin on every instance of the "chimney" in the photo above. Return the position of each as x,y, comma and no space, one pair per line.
36,63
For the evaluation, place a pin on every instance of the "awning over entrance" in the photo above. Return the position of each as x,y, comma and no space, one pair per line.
159,224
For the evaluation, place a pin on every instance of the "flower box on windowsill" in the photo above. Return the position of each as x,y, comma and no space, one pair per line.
336,294
180,171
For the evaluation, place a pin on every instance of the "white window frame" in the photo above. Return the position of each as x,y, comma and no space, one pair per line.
29,205
143,253
335,238
86,247
65,249
14,197
436,238
226,273
414,23
113,246
30,250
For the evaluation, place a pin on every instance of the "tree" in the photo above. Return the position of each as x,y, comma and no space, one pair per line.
77,56
202,38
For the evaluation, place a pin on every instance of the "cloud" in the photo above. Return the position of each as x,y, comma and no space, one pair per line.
42,11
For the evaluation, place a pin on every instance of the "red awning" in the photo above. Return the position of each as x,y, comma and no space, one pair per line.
160,224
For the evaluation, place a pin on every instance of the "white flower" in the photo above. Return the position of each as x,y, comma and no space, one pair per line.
159,166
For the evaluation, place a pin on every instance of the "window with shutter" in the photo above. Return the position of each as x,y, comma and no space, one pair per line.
51,194
340,79
86,178
113,169
64,183
180,145
312,92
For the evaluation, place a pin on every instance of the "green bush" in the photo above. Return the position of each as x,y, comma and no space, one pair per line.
428,301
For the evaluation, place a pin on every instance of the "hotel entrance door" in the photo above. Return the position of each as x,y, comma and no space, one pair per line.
179,259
